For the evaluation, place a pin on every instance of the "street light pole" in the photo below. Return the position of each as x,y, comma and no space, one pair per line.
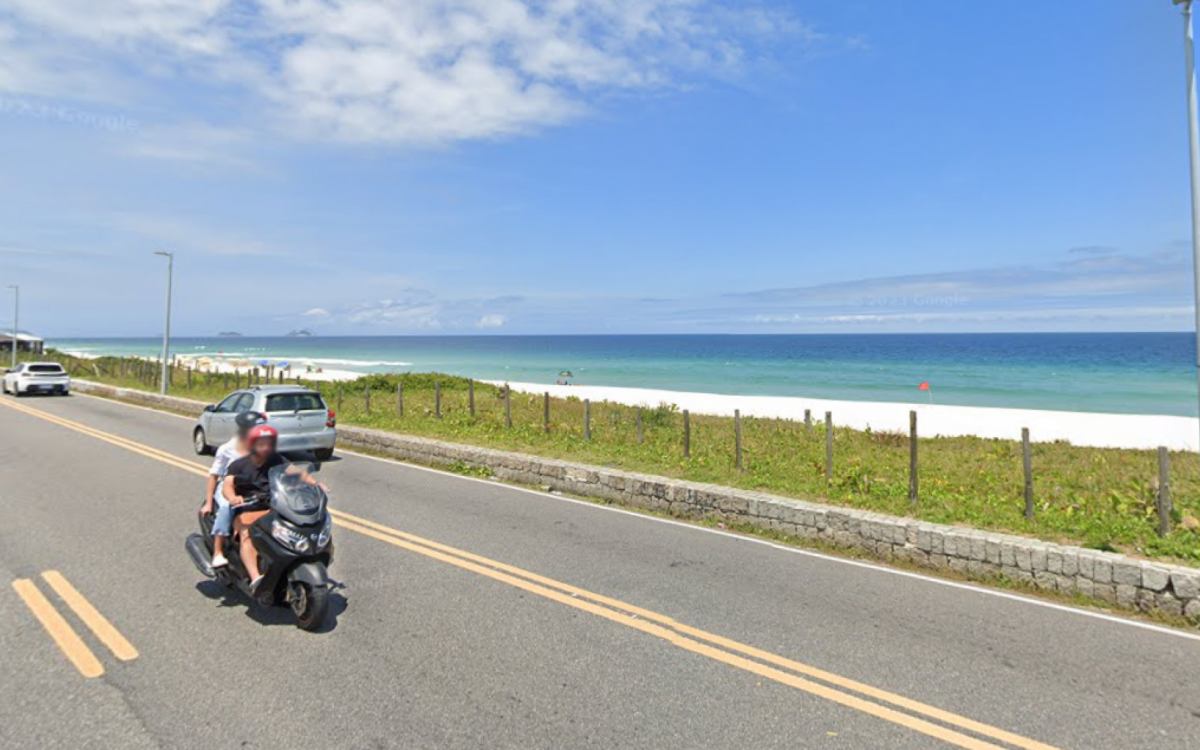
166,348
16,320
1194,147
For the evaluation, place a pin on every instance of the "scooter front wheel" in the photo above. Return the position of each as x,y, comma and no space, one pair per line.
310,604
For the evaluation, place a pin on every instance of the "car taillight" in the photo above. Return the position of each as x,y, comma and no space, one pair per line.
331,421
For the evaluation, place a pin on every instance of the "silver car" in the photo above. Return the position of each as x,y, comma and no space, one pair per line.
304,422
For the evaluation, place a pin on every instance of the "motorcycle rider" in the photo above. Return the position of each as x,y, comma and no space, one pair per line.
230,451
248,481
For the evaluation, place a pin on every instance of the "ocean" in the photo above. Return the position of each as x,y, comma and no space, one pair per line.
1132,373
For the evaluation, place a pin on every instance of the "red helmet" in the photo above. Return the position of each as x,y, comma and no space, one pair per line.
262,431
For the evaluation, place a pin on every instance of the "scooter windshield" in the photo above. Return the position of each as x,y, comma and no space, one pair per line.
295,494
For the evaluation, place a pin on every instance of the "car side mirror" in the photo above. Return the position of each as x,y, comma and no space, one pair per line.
210,407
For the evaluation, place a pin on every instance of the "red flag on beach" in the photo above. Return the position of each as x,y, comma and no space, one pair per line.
924,386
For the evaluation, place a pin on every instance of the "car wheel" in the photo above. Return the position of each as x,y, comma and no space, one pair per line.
200,442
323,454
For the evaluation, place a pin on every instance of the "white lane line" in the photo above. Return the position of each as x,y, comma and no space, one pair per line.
997,593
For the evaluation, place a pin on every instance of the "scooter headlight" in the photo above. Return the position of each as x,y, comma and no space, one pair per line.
326,533
293,540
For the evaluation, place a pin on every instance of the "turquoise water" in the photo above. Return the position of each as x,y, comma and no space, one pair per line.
1139,373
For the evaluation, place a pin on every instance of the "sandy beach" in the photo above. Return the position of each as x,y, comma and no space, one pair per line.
1079,428
307,370
313,371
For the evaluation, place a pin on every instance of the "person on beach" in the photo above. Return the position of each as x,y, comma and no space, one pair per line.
230,451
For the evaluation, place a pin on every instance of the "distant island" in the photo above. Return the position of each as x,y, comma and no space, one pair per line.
301,332
228,334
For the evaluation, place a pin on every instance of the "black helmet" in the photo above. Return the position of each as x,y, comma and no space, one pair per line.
247,421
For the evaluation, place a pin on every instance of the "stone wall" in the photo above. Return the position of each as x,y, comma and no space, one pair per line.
1117,579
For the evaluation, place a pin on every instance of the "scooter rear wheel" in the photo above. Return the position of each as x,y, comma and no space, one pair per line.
310,604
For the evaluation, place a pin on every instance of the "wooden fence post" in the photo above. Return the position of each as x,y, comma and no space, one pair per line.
737,439
339,400
508,406
237,380
1164,492
471,396
640,429
189,379
913,487
829,447
437,399
367,399
687,434
546,411
587,419
808,421
1027,460
400,399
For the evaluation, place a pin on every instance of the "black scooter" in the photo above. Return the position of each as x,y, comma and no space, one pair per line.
294,541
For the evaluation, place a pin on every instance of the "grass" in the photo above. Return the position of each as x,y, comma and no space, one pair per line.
1095,497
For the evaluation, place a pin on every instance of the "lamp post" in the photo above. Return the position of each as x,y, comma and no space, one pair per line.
166,348
16,320
1194,148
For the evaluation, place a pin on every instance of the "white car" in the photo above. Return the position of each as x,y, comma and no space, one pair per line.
37,377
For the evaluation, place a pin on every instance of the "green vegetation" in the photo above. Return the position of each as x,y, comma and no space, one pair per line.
1100,498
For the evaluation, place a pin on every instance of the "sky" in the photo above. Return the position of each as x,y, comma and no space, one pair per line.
370,167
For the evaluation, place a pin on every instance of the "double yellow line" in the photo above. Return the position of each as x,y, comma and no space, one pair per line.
69,641
943,725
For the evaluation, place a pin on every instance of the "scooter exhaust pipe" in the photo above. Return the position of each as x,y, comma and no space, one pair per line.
198,551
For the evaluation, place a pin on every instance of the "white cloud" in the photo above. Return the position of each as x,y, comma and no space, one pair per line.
401,71
417,310
316,312
196,235
492,321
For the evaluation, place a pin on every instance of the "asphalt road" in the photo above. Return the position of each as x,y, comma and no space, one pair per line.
474,615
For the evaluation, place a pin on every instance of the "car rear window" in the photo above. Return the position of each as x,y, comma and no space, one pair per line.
295,402
45,368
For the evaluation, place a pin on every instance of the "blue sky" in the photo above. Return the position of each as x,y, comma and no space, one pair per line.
612,166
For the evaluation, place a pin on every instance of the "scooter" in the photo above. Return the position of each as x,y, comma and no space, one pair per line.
294,541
